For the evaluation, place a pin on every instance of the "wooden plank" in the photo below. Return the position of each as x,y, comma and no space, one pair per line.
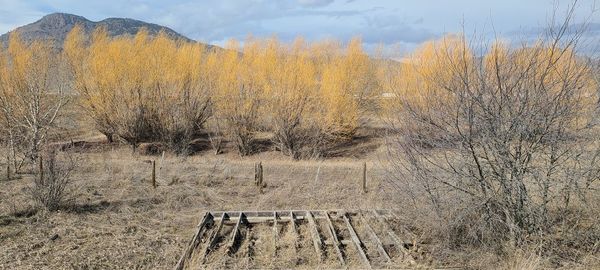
267,216
275,233
213,237
194,241
334,238
317,243
376,239
399,243
294,229
357,243
235,233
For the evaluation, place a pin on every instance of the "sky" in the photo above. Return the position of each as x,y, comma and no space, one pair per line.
394,23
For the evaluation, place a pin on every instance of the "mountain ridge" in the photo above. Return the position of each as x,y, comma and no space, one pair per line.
56,26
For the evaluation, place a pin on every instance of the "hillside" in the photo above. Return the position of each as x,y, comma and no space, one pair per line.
56,26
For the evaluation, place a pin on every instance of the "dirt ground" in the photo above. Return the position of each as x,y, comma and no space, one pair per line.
117,220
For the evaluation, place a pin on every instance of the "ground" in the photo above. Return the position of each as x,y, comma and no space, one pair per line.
116,219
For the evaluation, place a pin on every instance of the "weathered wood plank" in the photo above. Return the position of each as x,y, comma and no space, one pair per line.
357,243
293,229
334,238
194,241
235,233
399,243
376,239
314,232
213,237
275,234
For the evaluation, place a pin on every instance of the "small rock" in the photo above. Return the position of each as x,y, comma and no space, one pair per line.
54,237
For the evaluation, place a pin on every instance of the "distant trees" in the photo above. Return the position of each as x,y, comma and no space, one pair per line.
32,96
156,89
308,95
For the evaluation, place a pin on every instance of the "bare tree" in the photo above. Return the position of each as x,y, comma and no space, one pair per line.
31,96
504,137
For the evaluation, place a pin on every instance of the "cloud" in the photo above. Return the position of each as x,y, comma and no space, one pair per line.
383,21
314,3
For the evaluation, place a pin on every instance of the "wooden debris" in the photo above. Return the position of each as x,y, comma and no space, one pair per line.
357,243
275,233
334,238
208,237
213,237
376,240
235,233
314,232
195,240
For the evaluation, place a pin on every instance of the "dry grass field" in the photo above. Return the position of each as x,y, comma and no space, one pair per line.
118,220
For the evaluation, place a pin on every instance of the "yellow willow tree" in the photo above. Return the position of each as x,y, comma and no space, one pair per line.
97,101
292,106
143,88
347,80
31,96
239,92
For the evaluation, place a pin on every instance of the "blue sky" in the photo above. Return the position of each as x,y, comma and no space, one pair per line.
400,23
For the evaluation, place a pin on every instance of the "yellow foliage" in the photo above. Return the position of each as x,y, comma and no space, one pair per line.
143,88
31,93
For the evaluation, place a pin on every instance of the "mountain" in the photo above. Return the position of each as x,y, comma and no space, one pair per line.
56,26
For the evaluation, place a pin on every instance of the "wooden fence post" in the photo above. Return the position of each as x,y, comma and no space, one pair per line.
154,173
364,177
41,170
258,175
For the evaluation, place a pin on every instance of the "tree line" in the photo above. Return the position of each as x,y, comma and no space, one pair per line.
309,95
146,88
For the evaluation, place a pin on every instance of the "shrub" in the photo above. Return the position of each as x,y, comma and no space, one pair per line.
52,185
509,133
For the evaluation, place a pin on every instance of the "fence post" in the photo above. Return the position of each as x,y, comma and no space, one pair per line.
154,173
258,176
41,170
364,177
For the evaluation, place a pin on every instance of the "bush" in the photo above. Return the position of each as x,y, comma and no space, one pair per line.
509,134
52,185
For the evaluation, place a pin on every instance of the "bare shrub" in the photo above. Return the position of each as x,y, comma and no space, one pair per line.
52,185
498,143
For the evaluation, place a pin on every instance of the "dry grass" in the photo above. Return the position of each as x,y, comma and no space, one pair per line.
119,221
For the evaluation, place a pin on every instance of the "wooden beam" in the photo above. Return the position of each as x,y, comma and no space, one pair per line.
194,241
294,229
235,233
315,235
213,237
376,239
399,243
334,238
275,233
357,243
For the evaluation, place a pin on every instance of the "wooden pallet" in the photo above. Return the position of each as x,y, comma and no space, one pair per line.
368,233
